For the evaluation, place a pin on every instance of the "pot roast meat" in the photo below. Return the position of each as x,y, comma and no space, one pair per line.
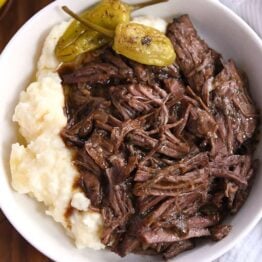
221,85
177,248
92,186
220,231
164,153
232,101
197,61
160,235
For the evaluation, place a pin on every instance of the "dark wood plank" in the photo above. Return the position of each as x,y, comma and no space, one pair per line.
2,217
19,12
13,248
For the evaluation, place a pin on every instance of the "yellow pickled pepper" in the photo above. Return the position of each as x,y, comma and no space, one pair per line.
143,44
108,13
2,2
138,42
78,38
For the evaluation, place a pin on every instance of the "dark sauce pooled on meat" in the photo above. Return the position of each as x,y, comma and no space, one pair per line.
165,154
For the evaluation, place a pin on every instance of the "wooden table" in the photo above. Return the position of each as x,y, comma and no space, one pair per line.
13,248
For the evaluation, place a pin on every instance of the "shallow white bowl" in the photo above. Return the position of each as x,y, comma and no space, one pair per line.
222,29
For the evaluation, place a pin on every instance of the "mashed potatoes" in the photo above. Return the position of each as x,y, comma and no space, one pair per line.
43,168
155,22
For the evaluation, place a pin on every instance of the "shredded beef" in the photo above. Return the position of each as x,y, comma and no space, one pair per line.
164,153
220,231
197,61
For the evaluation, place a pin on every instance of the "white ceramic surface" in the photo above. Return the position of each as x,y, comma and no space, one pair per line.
249,10
221,28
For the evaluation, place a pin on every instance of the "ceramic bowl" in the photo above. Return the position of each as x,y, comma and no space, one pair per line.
221,28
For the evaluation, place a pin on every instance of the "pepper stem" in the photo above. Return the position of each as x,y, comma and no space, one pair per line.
95,27
148,3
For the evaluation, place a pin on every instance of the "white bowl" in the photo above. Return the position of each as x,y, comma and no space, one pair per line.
222,30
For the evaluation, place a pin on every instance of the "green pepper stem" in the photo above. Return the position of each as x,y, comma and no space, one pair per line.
148,3
95,27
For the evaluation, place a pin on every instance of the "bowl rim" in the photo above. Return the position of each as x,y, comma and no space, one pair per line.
56,257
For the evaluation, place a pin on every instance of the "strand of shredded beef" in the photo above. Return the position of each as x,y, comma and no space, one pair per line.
165,153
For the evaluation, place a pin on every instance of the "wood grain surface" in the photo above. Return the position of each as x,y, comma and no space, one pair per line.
13,248
19,12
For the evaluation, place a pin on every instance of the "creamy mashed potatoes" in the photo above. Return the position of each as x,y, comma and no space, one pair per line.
43,168
155,22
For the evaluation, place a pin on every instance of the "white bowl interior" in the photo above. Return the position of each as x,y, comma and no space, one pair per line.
220,28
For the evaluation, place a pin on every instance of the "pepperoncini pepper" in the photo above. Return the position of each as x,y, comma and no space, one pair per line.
140,43
88,41
143,44
107,14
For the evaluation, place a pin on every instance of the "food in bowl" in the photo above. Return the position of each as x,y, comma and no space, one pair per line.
150,159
